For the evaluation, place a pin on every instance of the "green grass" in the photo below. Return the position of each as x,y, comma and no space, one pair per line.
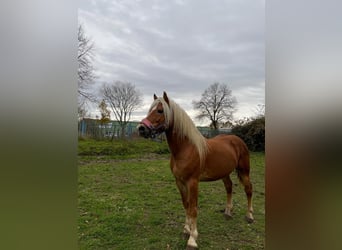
131,202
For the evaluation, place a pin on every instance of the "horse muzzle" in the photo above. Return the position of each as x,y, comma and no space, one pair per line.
144,131
147,130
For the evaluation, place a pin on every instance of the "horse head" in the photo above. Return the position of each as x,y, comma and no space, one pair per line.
156,121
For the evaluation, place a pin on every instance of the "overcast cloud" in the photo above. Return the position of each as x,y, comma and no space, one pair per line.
181,47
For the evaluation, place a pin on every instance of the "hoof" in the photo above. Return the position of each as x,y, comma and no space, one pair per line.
186,235
228,213
191,244
249,220
191,248
228,216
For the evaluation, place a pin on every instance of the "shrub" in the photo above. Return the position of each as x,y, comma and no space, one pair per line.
252,131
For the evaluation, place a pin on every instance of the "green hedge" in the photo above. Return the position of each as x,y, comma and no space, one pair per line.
252,132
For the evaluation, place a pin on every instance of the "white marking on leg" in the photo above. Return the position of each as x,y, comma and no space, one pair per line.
230,202
228,212
193,233
192,242
249,214
249,217
187,225
229,208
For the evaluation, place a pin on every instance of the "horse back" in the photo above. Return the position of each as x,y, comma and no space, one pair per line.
232,141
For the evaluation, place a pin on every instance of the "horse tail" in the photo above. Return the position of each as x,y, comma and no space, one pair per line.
243,165
243,169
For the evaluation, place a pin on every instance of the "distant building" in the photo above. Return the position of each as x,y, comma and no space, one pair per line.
94,128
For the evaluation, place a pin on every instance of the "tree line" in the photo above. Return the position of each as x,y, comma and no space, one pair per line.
217,103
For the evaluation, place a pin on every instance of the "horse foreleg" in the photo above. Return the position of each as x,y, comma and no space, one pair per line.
192,187
184,194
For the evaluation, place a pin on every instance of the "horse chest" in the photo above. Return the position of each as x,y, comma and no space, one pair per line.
183,169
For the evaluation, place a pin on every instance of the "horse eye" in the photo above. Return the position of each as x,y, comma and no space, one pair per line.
160,111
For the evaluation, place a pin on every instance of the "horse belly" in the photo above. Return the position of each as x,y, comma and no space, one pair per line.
217,170
219,164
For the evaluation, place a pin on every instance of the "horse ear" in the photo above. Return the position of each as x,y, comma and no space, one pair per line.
155,97
166,98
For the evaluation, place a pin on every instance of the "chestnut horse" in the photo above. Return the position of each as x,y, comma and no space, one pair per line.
194,159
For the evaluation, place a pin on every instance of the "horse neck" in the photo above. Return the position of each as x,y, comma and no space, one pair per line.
176,143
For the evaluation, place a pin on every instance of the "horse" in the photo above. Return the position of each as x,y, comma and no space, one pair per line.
195,158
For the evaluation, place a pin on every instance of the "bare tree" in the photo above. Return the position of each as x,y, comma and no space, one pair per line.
123,99
82,112
85,73
105,112
260,110
217,104
105,118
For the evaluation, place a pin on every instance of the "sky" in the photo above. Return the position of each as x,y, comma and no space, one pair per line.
181,47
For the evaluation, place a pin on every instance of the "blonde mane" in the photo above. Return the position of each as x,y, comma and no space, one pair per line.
183,125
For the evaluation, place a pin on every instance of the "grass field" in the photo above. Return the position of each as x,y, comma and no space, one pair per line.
128,200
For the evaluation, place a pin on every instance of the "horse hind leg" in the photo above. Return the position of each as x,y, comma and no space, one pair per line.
243,174
228,184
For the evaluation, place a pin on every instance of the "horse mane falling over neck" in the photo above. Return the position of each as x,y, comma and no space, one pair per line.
182,125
